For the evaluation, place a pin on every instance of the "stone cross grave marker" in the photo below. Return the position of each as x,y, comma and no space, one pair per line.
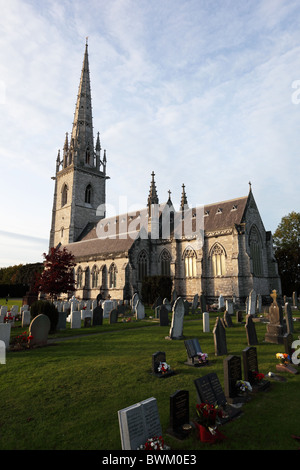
179,415
219,334
139,422
274,332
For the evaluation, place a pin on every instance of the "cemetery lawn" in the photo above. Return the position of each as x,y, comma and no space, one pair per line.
66,396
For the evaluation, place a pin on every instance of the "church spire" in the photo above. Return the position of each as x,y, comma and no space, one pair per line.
82,132
183,203
152,198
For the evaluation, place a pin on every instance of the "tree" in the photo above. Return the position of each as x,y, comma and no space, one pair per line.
57,276
287,252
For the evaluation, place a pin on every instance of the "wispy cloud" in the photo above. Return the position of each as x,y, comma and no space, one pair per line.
198,91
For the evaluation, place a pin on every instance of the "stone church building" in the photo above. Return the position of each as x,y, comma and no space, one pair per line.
221,248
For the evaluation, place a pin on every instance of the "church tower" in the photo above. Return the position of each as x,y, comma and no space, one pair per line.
80,178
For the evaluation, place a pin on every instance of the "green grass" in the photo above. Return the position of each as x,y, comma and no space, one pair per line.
67,395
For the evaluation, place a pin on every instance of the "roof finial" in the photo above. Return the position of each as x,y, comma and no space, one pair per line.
86,40
250,185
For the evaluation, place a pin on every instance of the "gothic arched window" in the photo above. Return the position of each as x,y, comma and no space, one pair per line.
64,195
142,265
165,259
218,260
79,278
112,276
256,251
94,277
88,194
189,257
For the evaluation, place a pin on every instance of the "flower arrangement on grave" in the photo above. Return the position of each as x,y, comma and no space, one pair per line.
21,341
207,422
8,318
163,368
257,376
202,358
243,386
283,358
154,443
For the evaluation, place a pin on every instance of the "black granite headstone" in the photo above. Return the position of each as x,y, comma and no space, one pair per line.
179,414
98,316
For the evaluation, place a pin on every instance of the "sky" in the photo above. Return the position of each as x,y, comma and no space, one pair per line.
205,93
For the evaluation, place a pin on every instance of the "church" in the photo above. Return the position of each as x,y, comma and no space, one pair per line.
218,249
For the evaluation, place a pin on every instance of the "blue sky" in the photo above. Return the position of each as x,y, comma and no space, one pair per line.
202,92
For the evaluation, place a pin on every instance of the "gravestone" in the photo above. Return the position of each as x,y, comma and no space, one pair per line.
252,303
232,373
5,329
87,322
288,347
203,303
176,329
98,316
62,320
239,316
25,318
167,304
186,307
227,319
258,303
157,359
195,303
295,299
179,415
288,318
75,319
250,364
209,390
192,347
158,302
275,331
221,302
251,331
39,329
139,310
219,334
134,300
113,316
107,307
229,306
163,315
205,319
138,423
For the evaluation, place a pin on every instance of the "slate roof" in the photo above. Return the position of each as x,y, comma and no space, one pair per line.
96,239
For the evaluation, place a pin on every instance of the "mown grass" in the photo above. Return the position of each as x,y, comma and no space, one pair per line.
66,396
